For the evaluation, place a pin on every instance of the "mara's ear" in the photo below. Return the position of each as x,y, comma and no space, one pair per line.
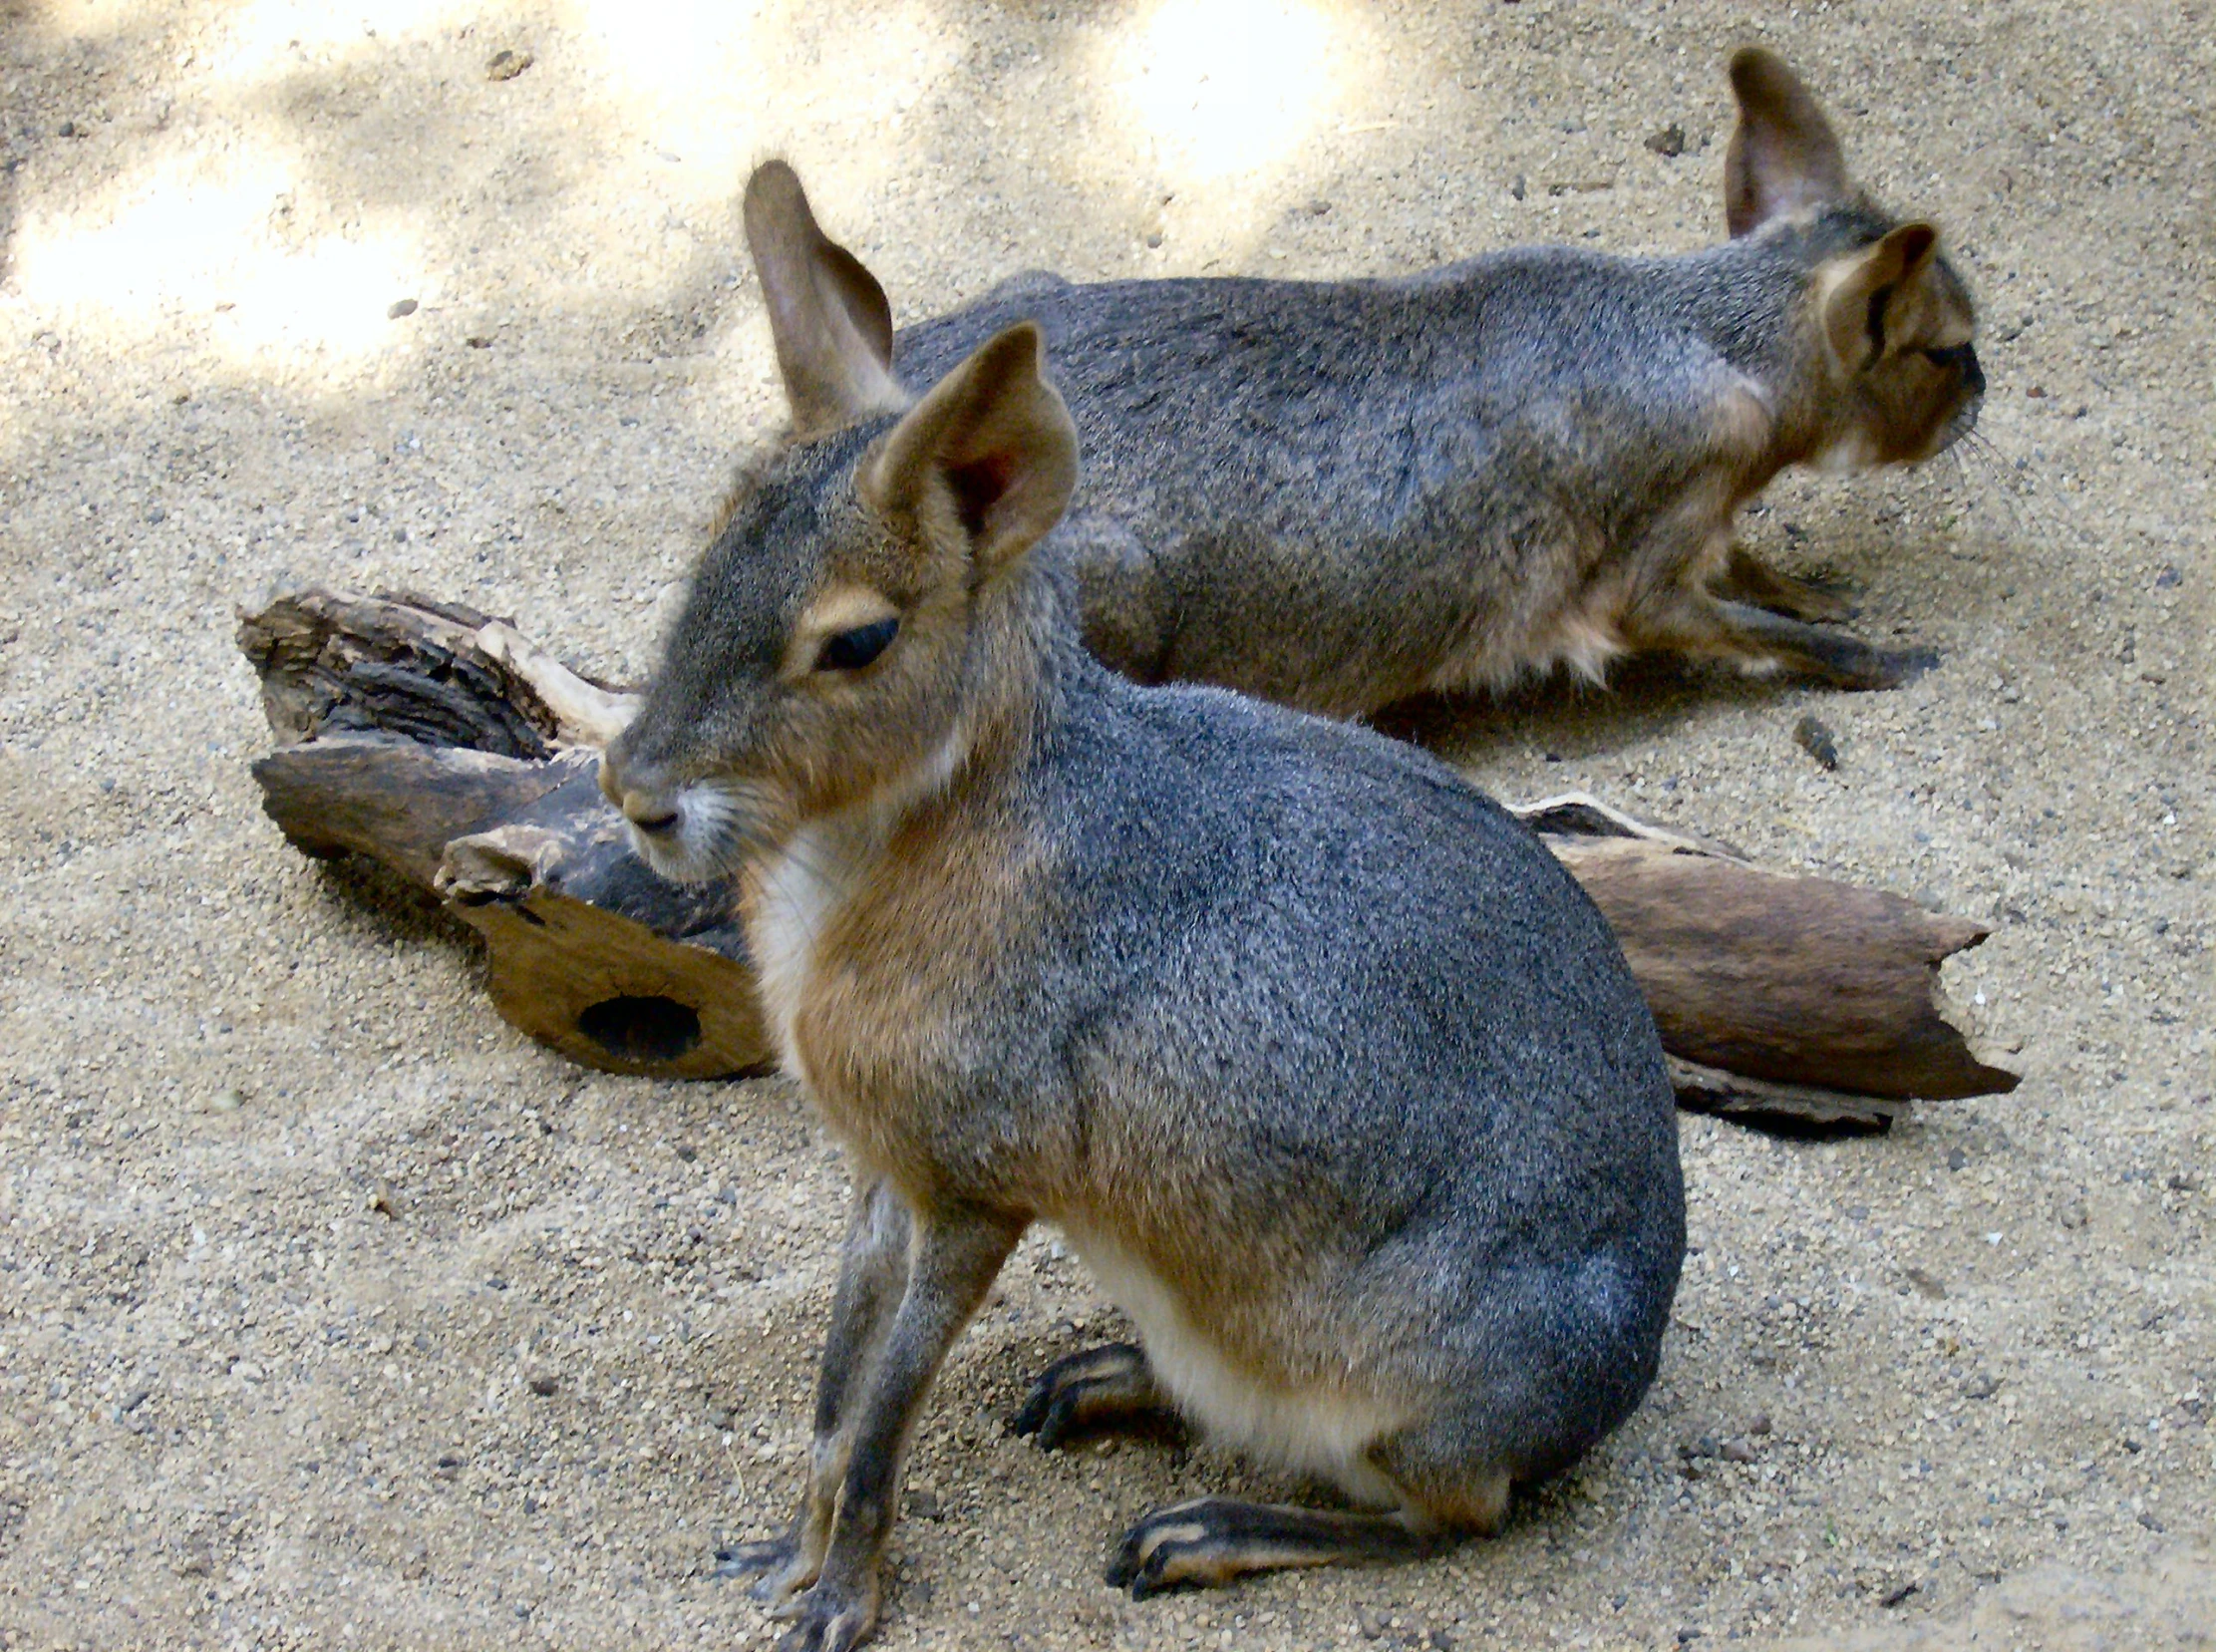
990,454
1875,297
828,316
1784,154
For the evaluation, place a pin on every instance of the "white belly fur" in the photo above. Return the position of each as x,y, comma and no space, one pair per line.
1323,1431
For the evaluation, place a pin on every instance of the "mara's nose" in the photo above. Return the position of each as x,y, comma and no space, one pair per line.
649,810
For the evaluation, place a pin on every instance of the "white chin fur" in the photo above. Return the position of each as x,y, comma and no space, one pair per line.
701,847
1848,455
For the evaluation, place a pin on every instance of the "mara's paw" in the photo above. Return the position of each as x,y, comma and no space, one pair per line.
776,1564
1748,578
1086,1390
1841,661
1819,601
1906,664
1188,1545
1892,668
830,1620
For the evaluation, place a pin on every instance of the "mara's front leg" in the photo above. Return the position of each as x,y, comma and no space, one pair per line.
873,1272
954,1257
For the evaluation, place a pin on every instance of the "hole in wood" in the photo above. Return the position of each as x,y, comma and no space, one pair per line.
641,1029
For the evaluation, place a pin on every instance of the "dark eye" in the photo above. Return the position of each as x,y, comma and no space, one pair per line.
852,650
1946,360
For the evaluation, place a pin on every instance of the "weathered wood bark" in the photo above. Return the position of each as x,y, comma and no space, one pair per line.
447,746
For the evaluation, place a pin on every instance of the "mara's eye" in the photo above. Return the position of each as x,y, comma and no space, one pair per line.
852,650
1950,359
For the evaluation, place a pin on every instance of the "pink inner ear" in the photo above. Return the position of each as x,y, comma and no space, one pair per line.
979,486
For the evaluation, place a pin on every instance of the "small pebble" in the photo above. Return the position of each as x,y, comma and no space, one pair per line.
1370,1622
544,1385
506,65
1812,736
1669,143
404,307
1981,1387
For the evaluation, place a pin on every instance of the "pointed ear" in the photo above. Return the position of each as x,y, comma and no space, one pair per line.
1784,154
1873,297
828,316
990,456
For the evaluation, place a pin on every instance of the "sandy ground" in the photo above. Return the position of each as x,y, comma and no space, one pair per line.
334,1313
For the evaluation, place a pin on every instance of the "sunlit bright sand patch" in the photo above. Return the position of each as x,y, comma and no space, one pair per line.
192,238
1223,88
266,37
719,86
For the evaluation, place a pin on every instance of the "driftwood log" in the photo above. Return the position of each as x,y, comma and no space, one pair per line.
447,746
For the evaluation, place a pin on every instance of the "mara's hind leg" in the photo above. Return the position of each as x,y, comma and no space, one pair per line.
1213,1540
1096,1388
1701,626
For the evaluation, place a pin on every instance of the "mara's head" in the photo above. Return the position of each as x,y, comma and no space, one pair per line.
1892,322
824,657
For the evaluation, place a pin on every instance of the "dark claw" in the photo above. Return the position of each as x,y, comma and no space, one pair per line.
766,1558
1865,669
1053,1410
826,1624
1905,665
1847,663
1140,1569
1818,601
1049,1418
1038,1405
1150,1582
1125,1565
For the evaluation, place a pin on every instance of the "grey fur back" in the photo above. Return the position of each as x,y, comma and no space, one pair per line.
1326,492
1374,1010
